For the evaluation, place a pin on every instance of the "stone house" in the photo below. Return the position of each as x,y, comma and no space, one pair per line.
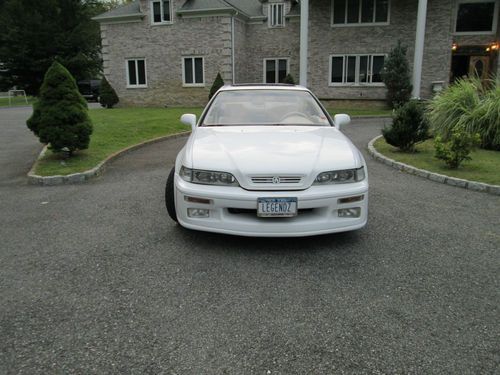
168,52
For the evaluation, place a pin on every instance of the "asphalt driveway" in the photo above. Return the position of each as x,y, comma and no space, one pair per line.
95,278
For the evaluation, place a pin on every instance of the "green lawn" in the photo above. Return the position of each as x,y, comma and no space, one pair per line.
16,101
118,128
483,167
114,130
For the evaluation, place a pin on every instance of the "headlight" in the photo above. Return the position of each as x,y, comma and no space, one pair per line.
340,177
197,176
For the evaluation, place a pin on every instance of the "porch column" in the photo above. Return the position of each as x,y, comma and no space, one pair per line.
419,47
304,29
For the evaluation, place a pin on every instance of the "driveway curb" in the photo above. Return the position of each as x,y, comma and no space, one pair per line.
453,181
98,170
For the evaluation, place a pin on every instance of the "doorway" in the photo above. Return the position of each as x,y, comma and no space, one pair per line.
472,61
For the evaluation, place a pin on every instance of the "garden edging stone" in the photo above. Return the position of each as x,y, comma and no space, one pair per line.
80,177
436,177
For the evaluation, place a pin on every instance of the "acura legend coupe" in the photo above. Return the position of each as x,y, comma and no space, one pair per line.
268,161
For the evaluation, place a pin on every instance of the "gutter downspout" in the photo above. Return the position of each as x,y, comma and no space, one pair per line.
304,39
233,63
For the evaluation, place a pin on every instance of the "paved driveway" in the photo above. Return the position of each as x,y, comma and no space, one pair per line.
96,279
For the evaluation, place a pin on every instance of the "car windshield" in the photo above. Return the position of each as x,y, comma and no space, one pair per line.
265,107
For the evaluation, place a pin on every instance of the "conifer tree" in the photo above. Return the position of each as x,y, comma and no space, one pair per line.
396,76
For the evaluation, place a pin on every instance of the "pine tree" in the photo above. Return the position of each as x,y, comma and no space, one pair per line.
107,94
289,80
396,76
60,116
218,83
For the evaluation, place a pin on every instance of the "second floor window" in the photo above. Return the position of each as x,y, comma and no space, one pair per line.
193,72
356,69
161,11
136,73
277,15
476,16
355,12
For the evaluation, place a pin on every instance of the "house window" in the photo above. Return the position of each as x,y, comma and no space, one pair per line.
356,69
277,15
136,73
161,11
360,12
275,70
476,16
193,71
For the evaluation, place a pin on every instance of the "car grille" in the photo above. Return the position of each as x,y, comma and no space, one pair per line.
276,180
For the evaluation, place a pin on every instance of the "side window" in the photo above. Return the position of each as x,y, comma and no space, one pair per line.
193,71
275,70
136,73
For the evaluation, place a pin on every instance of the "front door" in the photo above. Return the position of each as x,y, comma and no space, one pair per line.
479,66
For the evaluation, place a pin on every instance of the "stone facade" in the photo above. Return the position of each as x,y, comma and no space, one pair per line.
229,41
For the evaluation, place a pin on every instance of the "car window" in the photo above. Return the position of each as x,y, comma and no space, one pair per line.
265,107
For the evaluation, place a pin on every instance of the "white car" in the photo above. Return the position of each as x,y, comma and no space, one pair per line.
268,161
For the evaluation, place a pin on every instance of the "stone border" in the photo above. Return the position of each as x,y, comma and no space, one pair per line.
91,173
453,181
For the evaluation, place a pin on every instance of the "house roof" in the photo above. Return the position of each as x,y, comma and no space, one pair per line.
126,11
247,8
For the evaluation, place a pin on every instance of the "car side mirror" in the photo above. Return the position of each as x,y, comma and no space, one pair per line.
189,119
341,120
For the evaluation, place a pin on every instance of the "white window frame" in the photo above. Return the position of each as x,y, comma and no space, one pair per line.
272,9
276,61
162,22
495,18
356,72
137,85
361,24
194,71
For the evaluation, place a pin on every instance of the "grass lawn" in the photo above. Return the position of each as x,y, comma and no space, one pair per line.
114,130
118,128
16,101
483,167
360,111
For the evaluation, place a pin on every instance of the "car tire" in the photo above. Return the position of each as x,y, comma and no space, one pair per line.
170,196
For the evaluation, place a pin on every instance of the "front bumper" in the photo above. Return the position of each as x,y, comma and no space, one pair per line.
233,210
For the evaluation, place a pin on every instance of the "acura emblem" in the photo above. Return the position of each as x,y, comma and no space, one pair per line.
276,180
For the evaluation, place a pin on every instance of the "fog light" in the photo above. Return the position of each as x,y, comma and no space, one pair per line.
197,200
350,212
357,198
198,212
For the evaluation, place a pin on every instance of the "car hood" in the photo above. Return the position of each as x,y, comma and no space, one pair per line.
256,154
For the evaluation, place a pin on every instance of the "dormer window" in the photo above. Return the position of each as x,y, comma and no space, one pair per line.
161,11
277,15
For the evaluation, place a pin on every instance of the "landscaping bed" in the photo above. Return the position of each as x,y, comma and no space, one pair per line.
482,168
114,130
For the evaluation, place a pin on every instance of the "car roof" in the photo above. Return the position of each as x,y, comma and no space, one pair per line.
263,86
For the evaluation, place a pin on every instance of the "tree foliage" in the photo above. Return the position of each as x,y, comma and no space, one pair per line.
218,83
409,127
289,80
35,33
60,117
107,94
396,76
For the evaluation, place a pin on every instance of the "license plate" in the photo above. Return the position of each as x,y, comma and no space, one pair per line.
276,207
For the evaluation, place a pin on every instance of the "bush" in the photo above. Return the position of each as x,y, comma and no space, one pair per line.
396,76
409,127
468,106
60,117
218,83
107,94
289,80
457,148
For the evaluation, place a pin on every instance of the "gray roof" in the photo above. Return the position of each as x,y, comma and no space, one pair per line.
125,11
247,8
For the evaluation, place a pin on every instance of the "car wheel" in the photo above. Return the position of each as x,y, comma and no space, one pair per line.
170,196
